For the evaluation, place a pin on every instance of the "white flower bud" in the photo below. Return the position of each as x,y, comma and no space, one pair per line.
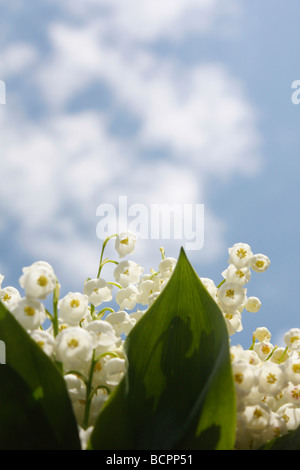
253,304
262,334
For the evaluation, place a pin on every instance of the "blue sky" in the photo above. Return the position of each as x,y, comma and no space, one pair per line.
180,101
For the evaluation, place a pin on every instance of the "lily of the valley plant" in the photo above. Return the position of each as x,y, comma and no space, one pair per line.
156,372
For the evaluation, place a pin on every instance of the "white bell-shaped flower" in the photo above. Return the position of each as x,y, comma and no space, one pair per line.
128,272
38,280
121,322
239,276
127,298
271,378
253,304
125,243
292,338
98,291
231,296
262,334
30,313
10,297
259,263
74,347
240,255
103,336
73,307
44,340
166,267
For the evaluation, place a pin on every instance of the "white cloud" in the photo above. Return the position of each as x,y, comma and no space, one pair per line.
139,20
55,172
16,58
200,114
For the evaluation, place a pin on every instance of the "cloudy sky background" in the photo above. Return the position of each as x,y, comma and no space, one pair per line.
173,101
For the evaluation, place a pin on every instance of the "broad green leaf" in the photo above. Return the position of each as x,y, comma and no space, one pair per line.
30,367
178,392
290,441
23,425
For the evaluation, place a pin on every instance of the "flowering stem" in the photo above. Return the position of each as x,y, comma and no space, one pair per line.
253,342
221,283
89,388
89,393
92,310
283,354
102,253
106,260
107,353
271,354
78,374
115,284
54,318
101,387
101,313
154,273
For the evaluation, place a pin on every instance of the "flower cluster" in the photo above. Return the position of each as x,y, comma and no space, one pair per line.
267,380
85,336
231,293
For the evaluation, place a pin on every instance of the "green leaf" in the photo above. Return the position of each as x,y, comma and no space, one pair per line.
23,425
290,441
178,392
42,393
